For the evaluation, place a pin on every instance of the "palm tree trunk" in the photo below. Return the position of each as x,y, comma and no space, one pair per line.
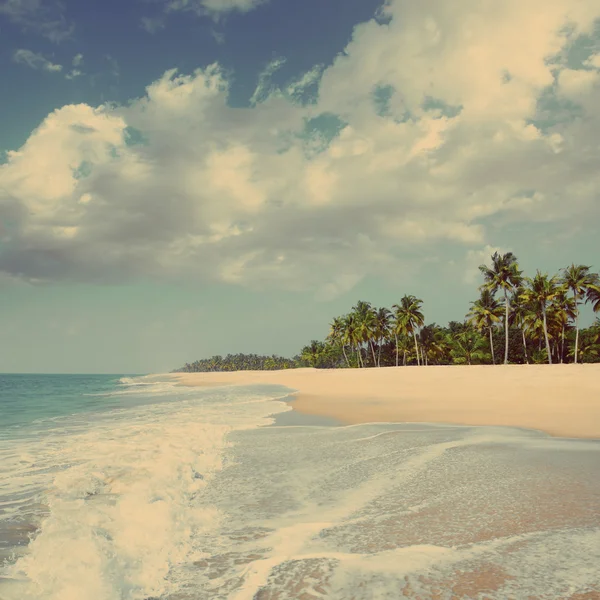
492,346
507,303
524,345
379,352
416,348
345,356
576,327
396,338
562,344
404,359
546,336
373,352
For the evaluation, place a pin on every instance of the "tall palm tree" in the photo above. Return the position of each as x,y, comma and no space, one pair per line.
365,317
336,335
484,314
541,290
408,312
564,309
592,294
382,329
368,328
520,315
504,275
351,336
578,279
398,329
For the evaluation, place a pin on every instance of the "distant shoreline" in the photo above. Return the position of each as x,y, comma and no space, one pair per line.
561,400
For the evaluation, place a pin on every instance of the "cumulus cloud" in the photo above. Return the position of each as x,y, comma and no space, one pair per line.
35,61
44,17
481,128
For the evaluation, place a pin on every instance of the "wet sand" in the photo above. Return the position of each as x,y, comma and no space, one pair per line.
494,512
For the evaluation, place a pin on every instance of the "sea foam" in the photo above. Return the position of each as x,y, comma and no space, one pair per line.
119,494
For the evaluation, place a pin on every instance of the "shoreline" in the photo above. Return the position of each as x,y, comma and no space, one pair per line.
559,400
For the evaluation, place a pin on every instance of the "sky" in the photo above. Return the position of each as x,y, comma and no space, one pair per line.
183,178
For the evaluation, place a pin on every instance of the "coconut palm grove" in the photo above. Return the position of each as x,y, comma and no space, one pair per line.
516,319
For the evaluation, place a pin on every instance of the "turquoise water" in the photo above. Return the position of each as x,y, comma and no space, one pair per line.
25,398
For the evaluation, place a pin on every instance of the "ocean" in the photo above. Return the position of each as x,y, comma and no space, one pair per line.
117,487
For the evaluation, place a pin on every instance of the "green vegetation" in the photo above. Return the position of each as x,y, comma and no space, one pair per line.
536,319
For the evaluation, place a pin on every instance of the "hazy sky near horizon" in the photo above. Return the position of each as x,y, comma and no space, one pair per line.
181,178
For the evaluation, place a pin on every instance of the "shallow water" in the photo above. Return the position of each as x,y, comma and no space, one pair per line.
190,493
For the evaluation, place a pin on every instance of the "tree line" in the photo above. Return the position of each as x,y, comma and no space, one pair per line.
515,319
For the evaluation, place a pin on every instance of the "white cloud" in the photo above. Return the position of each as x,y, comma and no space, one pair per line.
218,36
152,24
593,61
296,88
225,6
243,195
474,258
44,17
35,61
575,84
214,8
76,71
264,87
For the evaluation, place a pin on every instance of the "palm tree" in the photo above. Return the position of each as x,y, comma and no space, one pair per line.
467,346
405,344
520,315
484,314
398,329
368,328
504,275
431,340
312,353
336,335
564,309
408,312
540,291
351,336
578,279
382,329
592,294
437,345
365,318
588,349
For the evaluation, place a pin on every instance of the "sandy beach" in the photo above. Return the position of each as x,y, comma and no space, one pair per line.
561,400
